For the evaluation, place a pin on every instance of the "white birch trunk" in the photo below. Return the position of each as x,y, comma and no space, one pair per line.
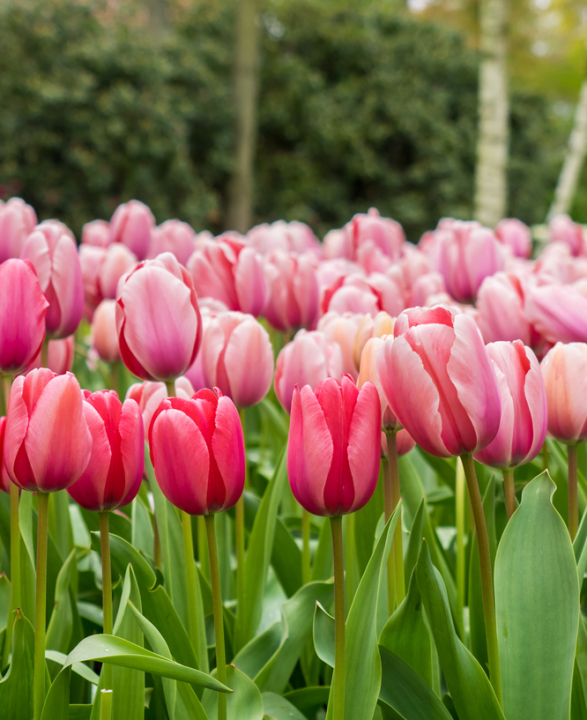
493,139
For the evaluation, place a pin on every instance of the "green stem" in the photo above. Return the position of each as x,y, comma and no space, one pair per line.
218,613
387,507
397,547
104,518
460,513
486,574
202,545
105,704
573,497
45,353
40,604
339,618
14,543
510,491
306,563
188,548
239,522
170,385
545,456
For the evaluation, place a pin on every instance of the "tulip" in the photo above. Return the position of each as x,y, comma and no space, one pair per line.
288,236
104,335
384,233
369,327
52,250
97,233
237,357
209,308
175,237
59,356
132,224
405,443
414,264
292,291
4,479
307,360
117,261
564,230
149,395
501,316
91,258
158,319
516,235
558,312
426,286
342,329
17,220
23,308
522,427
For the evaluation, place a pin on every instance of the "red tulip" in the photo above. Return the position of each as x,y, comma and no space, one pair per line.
516,235
104,335
197,451
158,319
132,224
97,233
47,442
60,356
439,382
175,237
23,308
292,291
522,427
4,479
113,476
334,446
564,369
501,316
148,395
17,221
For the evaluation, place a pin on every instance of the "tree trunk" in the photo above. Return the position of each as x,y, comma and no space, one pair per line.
574,157
492,144
158,19
246,85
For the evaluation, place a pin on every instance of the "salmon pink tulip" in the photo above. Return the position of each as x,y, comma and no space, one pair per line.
564,369
380,325
104,335
197,450
132,224
292,291
17,221
342,329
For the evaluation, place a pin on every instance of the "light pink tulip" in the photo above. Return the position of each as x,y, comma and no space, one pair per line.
292,291
342,329
60,356
439,382
371,359
47,442
380,325
117,261
104,335
564,370
426,286
197,451
558,312
501,315
237,357
91,258
158,319
175,237
132,224
97,233
4,479
372,258
384,233
522,427
307,360
516,235
209,308
414,264
148,396
365,295
53,252
334,446
113,476
17,221
288,236
564,230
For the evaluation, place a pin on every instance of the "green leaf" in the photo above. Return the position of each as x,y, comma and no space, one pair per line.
56,705
404,690
5,592
124,554
80,712
469,686
60,627
82,670
537,606
279,708
16,687
323,567
324,635
308,700
60,524
245,703
414,542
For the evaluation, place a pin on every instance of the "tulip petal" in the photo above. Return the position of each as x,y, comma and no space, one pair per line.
249,282
249,381
89,490
16,426
228,448
132,443
67,282
364,445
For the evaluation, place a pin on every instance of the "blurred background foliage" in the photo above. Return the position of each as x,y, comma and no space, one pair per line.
361,104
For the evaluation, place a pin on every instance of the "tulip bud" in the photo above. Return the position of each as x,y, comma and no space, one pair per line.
113,476
59,356
370,359
175,237
380,325
132,224
117,261
334,446
516,235
292,291
97,233
47,442
158,319
104,335
198,454
17,220
564,369
501,316
289,236
342,329
148,396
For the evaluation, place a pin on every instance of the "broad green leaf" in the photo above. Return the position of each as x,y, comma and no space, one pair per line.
60,529
286,559
404,690
324,635
80,712
308,700
469,686
142,531
56,705
79,668
16,687
188,704
537,606
81,534
244,703
578,703
5,592
60,627
278,708
322,567
414,542
366,520
123,554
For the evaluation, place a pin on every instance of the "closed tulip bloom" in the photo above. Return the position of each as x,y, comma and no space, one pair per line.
97,233
354,296
175,237
91,258
380,325
52,250
443,390
289,236
334,446
47,443
158,319
113,476
197,450
369,373
237,357
564,230
564,369
342,329
17,221
292,291
59,357
209,309
558,312
522,427
104,335
117,261
132,224
148,396
426,286
307,360
501,316
516,235
4,479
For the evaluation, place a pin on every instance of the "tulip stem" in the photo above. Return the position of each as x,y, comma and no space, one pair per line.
218,613
461,569
486,574
510,491
339,618
104,518
545,456
391,498
573,497
106,702
306,562
45,353
190,572
239,522
40,603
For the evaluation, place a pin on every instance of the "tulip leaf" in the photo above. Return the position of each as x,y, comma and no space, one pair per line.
60,627
82,670
123,554
323,564
404,691
324,635
245,703
16,687
537,606
414,542
5,592
56,706
308,700
60,530
469,686
278,708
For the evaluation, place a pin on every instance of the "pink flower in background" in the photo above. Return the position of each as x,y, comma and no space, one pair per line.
280,235
209,308
371,358
292,291
132,224
60,356
563,230
564,370
370,327
175,237
426,286
104,335
384,233
404,443
97,233
342,330
413,265
117,261
501,314
148,396
358,294
516,235
17,221
558,312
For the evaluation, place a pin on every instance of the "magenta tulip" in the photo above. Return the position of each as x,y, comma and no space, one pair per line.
113,476
307,360
334,446
17,221
197,451
47,443
104,335
158,319
52,250
175,237
501,315
132,224
237,357
558,312
59,356
292,291
148,396
97,233
4,479
516,235
564,369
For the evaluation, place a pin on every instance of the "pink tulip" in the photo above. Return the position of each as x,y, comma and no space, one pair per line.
132,224
230,272
307,360
60,356
4,479
371,359
425,287
414,264
292,291
117,261
175,237
209,309
404,443
342,329
104,335
47,443
288,236
558,312
522,427
369,327
197,451
97,233
17,221
564,230
564,370
91,258
158,319
334,446
113,476
439,382
23,308
516,235
501,316
148,396
372,258
52,250
353,296
237,357
384,233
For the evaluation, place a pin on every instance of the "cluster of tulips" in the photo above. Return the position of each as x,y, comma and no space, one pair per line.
462,344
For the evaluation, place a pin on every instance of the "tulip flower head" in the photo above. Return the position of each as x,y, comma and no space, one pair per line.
97,233
175,237
516,235
149,395
564,369
4,479
104,335
59,356
17,220
292,291
132,224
